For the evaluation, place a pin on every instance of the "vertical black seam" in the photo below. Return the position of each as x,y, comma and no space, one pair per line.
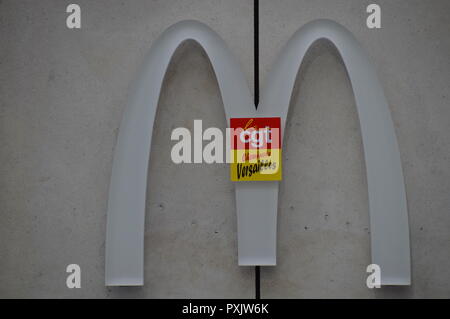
257,283
256,83
256,50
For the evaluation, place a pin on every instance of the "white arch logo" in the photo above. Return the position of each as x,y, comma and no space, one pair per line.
256,201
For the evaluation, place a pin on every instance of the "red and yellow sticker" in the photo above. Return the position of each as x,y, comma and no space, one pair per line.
255,149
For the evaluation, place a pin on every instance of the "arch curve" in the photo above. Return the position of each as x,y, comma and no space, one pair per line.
126,204
256,202
387,198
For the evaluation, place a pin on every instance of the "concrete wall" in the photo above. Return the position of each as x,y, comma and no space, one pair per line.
62,93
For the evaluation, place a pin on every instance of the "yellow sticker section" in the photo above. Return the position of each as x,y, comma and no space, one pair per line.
255,165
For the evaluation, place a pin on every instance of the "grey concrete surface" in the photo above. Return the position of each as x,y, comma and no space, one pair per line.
62,93
323,220
62,97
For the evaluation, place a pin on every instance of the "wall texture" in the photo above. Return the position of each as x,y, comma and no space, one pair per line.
62,93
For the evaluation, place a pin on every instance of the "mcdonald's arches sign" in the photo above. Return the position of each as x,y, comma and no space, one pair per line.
256,201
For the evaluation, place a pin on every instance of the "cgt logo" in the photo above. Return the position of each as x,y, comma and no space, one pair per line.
256,138
257,231
253,135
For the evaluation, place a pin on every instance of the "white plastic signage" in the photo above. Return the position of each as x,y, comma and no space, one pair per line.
256,202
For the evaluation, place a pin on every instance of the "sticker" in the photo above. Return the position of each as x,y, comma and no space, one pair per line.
255,149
